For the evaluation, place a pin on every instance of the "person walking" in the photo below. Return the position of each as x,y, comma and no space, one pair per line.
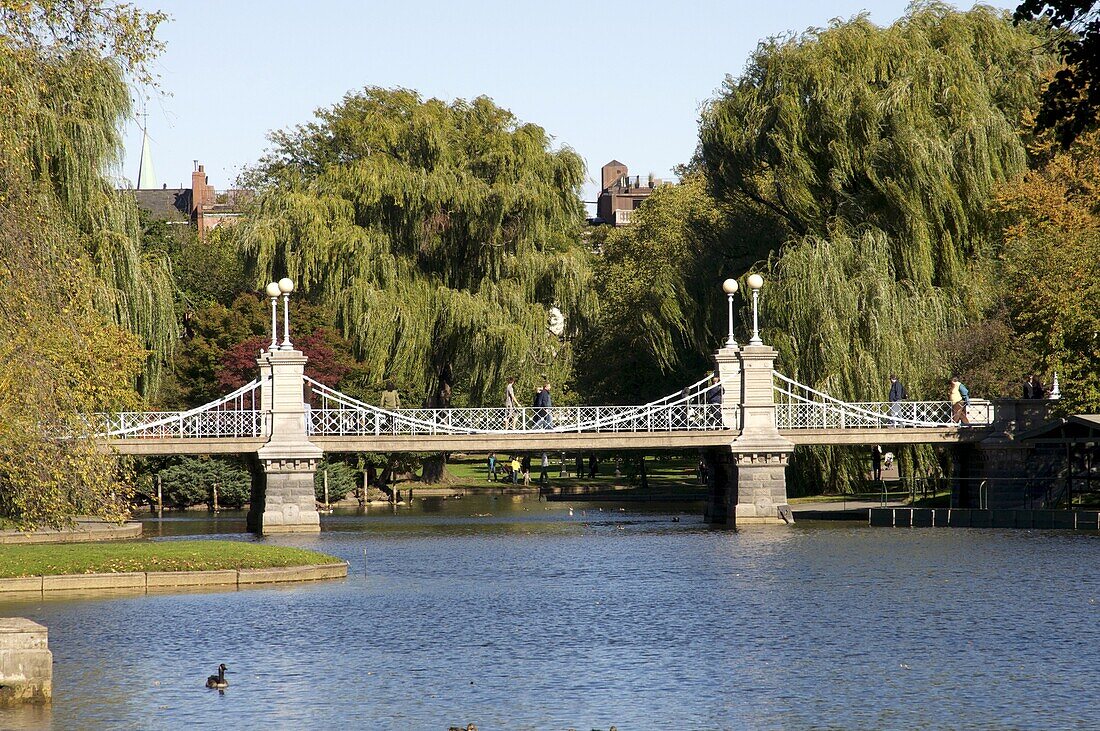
1038,390
491,474
897,395
959,397
544,473
876,463
543,420
391,399
525,467
716,391
593,466
511,406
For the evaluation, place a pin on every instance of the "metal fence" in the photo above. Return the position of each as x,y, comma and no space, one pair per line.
342,415
801,407
233,416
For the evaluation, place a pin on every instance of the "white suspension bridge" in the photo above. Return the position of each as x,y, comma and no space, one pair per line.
288,421
339,422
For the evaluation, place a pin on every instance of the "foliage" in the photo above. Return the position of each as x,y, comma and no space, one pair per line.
440,233
1051,265
102,28
1071,101
854,165
653,278
206,271
62,97
342,479
59,359
191,482
125,556
904,129
220,353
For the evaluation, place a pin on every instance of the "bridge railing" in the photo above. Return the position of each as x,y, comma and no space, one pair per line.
180,425
235,415
801,407
352,421
342,415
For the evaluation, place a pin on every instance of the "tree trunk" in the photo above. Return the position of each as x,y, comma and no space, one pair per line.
435,467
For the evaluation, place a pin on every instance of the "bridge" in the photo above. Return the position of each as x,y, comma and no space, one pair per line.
288,421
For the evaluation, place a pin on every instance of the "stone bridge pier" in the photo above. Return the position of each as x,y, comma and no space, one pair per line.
283,499
747,481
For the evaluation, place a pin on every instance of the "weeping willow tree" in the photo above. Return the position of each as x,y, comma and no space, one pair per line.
442,234
74,283
878,150
64,97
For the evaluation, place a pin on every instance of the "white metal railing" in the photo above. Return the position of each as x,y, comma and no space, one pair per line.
235,415
341,415
800,407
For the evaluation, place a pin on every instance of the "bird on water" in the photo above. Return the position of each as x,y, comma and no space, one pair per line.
218,681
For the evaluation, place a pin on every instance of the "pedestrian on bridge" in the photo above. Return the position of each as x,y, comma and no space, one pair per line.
511,406
716,391
391,400
1038,390
959,397
542,408
897,395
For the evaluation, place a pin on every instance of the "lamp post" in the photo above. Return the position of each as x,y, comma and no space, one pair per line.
286,286
273,292
730,288
755,283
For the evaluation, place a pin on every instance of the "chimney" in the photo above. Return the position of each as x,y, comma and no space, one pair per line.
198,189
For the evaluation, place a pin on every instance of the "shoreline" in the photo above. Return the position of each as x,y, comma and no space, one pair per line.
142,582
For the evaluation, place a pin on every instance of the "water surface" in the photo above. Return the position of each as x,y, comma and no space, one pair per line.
514,614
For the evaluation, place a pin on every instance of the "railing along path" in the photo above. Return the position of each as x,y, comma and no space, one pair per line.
235,415
798,406
342,415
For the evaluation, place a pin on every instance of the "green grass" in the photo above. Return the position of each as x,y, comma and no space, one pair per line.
118,557
661,473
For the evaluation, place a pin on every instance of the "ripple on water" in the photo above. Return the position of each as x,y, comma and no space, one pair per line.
532,619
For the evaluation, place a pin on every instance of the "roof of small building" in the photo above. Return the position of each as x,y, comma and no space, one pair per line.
165,203
1080,427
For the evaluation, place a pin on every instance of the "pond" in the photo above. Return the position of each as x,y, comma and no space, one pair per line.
517,614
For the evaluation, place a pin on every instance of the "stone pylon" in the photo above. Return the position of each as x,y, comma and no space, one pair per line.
287,463
760,451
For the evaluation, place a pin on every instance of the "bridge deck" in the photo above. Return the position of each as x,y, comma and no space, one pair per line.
546,441
171,446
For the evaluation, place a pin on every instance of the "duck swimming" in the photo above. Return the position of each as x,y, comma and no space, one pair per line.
218,681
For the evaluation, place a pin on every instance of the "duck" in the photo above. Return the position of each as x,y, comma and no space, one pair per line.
218,681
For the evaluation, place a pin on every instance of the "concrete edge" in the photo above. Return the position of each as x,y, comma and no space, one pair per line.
86,532
292,573
157,580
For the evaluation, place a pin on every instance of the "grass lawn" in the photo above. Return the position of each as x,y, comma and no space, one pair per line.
119,557
663,472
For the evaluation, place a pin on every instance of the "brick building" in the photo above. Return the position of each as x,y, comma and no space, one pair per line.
621,194
200,205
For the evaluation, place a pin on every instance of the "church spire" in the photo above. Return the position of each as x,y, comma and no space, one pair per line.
146,177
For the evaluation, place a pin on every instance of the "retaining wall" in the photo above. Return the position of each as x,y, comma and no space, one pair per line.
143,581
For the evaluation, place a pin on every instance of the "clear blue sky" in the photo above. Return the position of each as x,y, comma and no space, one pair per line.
611,80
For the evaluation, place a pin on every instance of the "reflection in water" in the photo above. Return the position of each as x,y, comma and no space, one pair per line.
513,614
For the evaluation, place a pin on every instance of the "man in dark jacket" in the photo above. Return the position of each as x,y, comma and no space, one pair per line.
542,408
897,395
715,392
